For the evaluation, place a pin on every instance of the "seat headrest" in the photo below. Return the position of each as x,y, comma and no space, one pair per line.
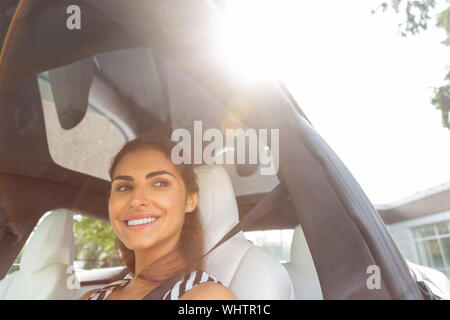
300,253
217,202
52,242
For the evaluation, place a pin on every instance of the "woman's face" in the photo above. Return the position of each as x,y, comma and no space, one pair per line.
148,200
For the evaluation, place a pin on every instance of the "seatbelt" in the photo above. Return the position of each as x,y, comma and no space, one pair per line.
159,291
269,202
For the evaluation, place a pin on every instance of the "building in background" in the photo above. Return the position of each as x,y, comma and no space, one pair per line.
420,226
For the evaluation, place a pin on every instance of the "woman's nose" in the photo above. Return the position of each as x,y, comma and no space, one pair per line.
138,202
139,199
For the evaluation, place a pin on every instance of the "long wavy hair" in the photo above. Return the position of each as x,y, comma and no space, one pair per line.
191,244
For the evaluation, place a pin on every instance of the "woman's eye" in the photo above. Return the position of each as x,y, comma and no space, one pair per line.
161,184
123,188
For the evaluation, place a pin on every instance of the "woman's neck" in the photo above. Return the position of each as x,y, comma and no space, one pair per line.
146,258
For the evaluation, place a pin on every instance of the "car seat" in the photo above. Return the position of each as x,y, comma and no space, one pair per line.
302,270
44,271
249,271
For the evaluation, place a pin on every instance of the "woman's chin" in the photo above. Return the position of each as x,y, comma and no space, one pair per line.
142,246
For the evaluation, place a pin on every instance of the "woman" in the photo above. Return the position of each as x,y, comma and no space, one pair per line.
153,212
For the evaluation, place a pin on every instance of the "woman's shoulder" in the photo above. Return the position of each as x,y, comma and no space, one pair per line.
209,291
103,292
87,294
200,285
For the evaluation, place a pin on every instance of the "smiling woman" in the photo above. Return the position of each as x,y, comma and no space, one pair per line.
153,212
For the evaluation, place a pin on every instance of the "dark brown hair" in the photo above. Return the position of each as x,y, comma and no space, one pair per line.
191,244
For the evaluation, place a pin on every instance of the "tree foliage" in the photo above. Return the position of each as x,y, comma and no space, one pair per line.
418,15
95,243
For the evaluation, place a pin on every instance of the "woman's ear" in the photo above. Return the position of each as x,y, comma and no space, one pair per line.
191,202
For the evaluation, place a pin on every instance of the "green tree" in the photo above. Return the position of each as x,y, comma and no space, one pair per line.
95,243
418,15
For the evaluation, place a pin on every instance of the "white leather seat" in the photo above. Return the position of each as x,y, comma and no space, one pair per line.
302,270
249,271
43,272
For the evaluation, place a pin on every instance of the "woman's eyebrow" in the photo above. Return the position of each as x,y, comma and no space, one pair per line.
148,176
157,173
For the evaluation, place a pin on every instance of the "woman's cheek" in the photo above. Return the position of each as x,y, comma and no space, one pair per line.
114,208
174,204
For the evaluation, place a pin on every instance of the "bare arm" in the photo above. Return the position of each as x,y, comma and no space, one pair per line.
209,291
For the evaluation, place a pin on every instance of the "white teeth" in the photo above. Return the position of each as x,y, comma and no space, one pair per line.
140,221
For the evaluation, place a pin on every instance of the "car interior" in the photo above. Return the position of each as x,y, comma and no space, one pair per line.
237,263
249,271
66,111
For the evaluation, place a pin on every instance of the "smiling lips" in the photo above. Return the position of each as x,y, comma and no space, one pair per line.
136,222
140,220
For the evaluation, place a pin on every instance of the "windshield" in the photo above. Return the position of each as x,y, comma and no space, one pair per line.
303,135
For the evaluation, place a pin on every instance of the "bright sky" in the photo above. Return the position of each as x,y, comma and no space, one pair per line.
365,88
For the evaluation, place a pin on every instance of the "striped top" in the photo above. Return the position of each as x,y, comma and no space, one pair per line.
186,282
